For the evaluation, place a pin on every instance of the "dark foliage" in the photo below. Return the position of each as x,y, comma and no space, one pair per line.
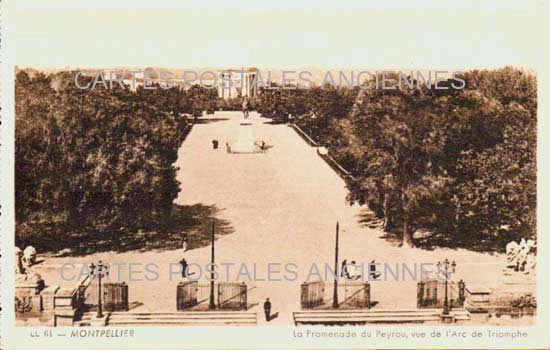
460,163
97,160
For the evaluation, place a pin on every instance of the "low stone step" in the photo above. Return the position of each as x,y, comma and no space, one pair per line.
383,311
343,315
182,317
386,314
368,319
374,316
160,322
235,318
462,316
213,313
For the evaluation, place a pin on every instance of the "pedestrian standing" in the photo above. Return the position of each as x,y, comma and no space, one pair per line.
343,271
185,242
352,271
267,309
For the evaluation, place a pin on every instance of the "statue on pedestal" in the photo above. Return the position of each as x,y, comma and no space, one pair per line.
23,261
245,142
28,284
29,257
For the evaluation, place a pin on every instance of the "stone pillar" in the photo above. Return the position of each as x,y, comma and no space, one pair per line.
366,289
64,307
254,84
48,295
461,292
420,294
27,293
63,318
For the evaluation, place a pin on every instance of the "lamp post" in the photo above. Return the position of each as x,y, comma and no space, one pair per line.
212,305
447,267
101,270
335,292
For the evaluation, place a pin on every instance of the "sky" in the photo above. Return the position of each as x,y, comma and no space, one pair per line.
279,34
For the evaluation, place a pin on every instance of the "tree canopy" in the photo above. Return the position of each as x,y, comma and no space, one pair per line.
460,163
96,159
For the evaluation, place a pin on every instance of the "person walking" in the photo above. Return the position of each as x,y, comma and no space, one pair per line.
267,309
373,274
184,265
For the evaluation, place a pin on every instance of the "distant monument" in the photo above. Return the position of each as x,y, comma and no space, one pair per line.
245,142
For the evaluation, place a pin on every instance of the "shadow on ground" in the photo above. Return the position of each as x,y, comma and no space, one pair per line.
434,240
209,120
194,220
274,122
431,240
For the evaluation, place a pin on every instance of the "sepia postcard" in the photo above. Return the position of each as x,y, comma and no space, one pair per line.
273,175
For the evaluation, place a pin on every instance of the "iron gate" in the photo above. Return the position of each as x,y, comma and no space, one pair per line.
354,294
232,295
431,294
115,296
187,294
312,294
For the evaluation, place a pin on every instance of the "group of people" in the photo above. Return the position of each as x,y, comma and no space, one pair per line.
262,146
522,257
350,271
